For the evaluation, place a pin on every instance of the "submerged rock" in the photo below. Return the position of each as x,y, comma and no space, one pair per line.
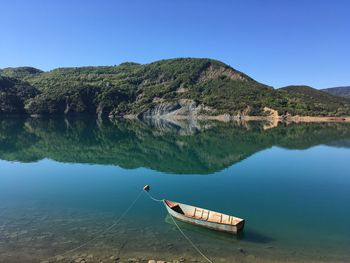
241,250
59,258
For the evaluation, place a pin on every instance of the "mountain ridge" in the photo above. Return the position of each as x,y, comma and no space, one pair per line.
171,88
342,91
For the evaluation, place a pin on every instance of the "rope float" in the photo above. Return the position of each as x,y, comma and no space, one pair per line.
145,189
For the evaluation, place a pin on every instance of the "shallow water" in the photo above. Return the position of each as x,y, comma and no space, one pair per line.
63,181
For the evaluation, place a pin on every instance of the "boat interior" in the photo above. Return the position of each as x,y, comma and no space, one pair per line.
203,214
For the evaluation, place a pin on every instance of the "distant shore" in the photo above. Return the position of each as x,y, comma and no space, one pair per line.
222,117
298,119
227,118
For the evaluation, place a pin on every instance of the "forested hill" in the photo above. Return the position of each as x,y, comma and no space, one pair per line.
339,91
184,86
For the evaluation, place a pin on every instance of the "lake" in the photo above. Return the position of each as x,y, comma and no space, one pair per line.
64,181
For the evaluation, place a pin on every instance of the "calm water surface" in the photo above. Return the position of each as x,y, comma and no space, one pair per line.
62,181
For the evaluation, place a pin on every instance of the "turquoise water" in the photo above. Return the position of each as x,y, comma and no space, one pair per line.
62,181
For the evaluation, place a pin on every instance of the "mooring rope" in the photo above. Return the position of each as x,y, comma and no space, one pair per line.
181,231
121,217
154,199
104,231
190,241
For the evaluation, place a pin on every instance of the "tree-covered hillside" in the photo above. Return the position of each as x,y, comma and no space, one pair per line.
339,91
304,99
13,95
175,86
20,72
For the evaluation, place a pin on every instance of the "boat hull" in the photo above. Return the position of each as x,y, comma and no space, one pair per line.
233,229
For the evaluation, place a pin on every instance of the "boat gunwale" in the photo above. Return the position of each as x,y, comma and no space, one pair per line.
242,221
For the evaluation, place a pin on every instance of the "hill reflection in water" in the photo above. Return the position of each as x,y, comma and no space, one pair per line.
172,147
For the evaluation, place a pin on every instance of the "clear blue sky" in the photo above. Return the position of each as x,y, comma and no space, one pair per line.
277,42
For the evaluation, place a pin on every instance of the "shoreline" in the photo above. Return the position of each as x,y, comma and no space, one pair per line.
108,254
228,118
223,117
